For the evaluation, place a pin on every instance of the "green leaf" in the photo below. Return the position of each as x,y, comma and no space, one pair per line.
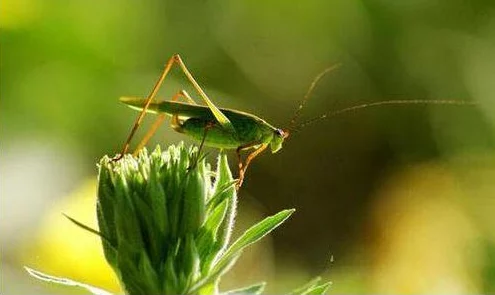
88,228
158,202
191,263
149,229
148,275
250,236
194,201
170,272
306,287
216,273
208,247
253,289
207,235
318,290
256,232
127,264
219,195
312,288
224,176
64,281
105,211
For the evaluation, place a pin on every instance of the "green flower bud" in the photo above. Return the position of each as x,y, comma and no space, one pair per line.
152,213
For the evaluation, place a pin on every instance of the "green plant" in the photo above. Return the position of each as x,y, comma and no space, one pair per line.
165,222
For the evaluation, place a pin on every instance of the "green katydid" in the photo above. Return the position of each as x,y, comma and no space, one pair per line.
228,128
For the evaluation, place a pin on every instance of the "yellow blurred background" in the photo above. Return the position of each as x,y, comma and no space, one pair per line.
390,200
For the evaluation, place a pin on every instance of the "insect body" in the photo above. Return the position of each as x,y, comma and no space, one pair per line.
227,128
199,122
193,120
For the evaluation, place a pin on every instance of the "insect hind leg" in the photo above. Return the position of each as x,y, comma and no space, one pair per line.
161,118
150,97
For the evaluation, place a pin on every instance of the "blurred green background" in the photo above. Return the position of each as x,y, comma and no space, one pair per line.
389,199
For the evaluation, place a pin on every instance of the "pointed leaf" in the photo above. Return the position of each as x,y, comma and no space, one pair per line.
213,275
219,194
64,281
318,290
224,176
304,288
256,232
252,235
208,232
89,229
253,289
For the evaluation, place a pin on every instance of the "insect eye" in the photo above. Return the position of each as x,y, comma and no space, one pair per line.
279,132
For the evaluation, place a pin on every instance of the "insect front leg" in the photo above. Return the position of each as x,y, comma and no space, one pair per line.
243,166
208,126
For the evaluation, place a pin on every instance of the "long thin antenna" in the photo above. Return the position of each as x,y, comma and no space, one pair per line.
297,113
381,103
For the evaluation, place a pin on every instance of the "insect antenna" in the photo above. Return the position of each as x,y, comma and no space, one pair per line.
381,103
313,84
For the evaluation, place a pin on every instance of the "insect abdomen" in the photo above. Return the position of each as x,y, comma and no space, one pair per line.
215,135
218,137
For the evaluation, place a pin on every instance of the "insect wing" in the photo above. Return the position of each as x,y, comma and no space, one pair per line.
219,116
180,108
